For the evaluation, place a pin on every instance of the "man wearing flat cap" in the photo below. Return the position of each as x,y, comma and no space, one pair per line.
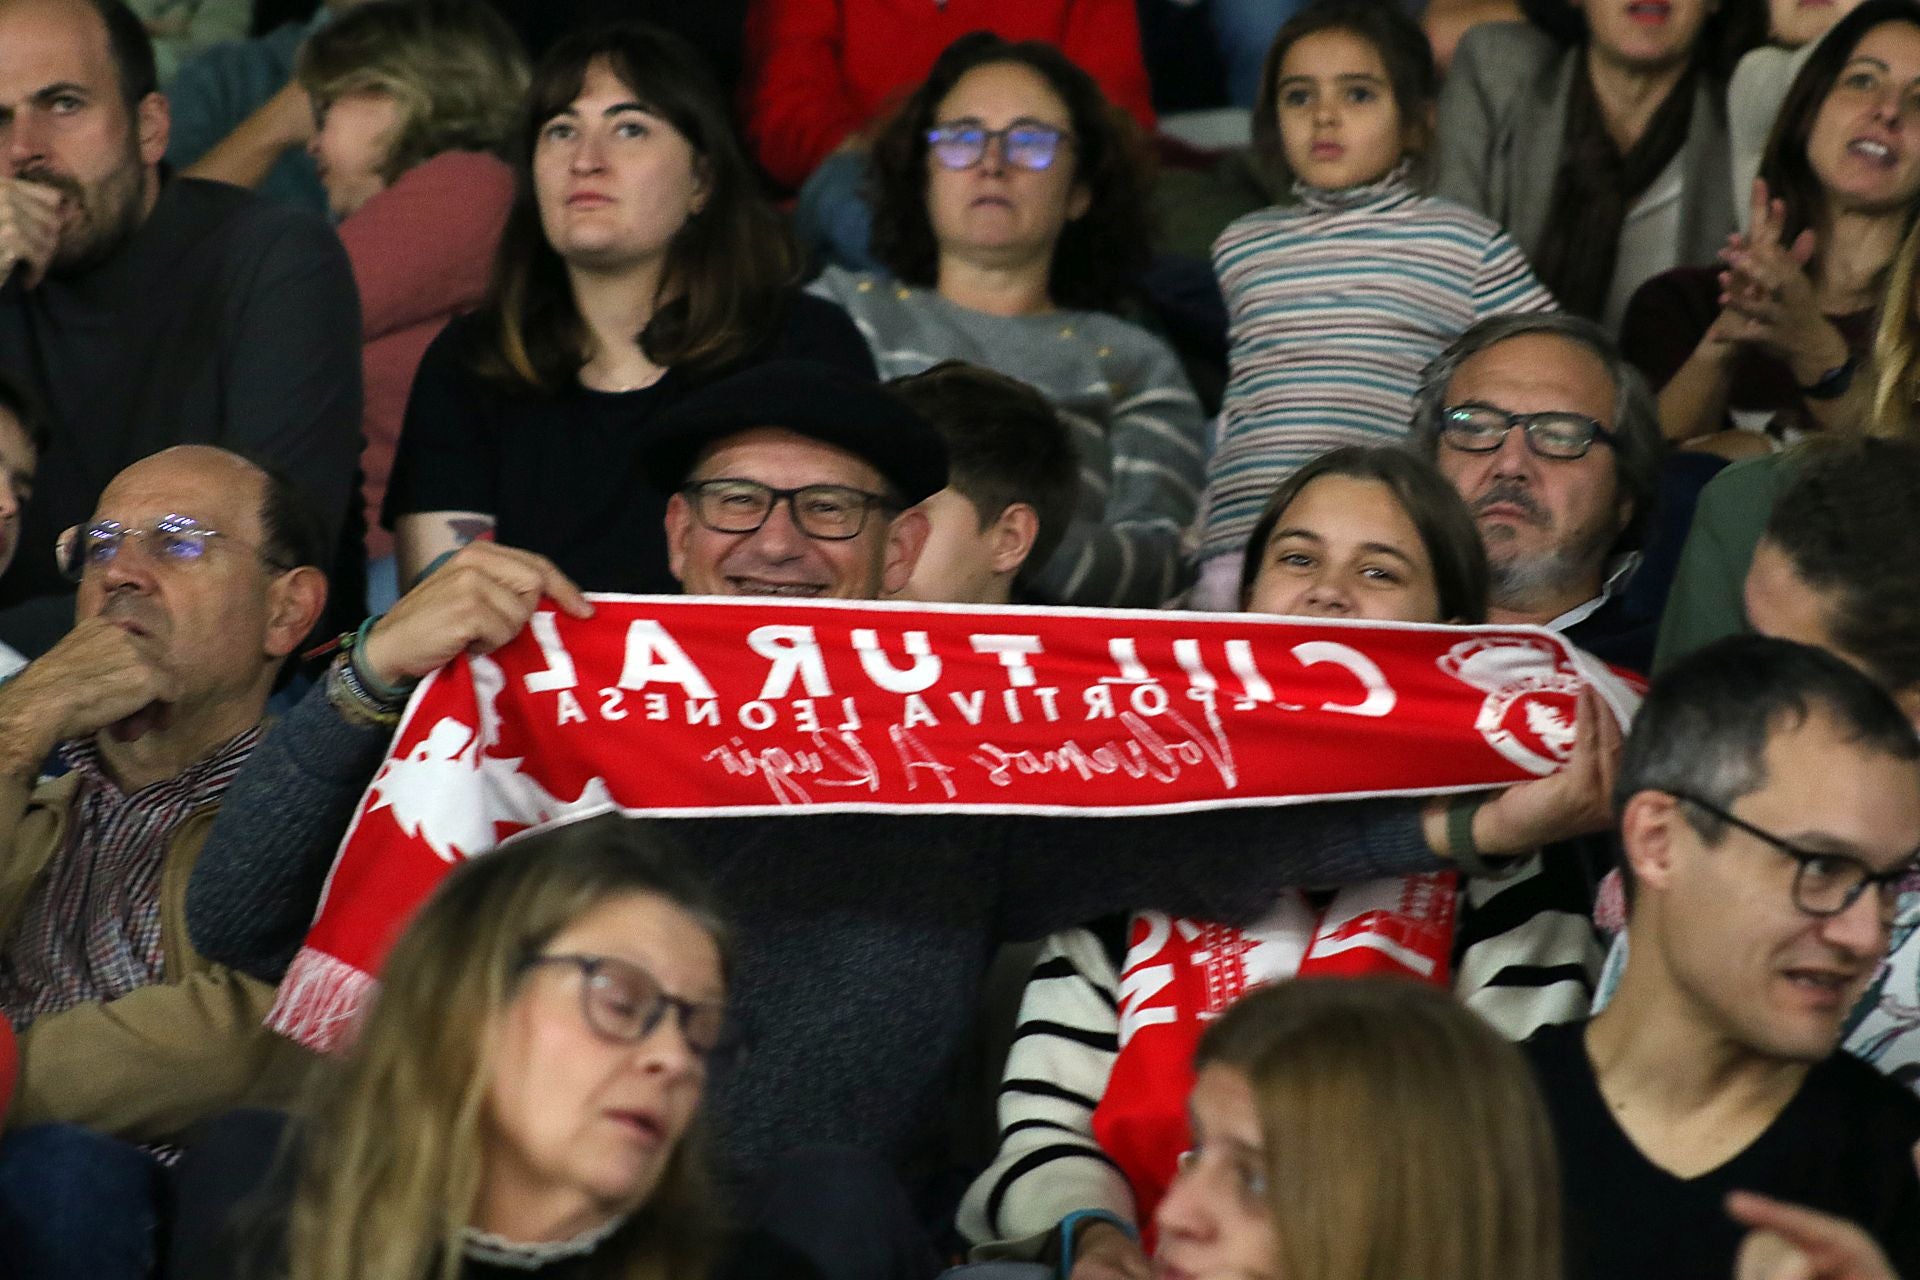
791,480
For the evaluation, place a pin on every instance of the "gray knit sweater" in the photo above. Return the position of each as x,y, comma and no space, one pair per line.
1136,423
863,938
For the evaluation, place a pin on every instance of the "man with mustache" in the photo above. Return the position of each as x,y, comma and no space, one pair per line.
1554,441
146,310
1769,809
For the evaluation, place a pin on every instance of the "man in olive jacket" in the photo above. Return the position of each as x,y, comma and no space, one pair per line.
196,580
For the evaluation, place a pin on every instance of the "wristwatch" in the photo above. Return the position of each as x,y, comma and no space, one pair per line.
1832,384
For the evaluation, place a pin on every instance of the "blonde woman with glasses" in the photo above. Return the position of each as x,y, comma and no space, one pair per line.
523,1097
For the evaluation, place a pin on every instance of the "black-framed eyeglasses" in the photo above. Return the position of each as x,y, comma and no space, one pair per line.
170,539
624,1003
1482,428
1025,144
1825,884
830,512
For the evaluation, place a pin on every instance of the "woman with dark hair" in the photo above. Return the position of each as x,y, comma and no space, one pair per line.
1370,533
1597,136
638,262
1009,207
1771,339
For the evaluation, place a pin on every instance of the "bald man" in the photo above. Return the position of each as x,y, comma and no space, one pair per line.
196,577
144,311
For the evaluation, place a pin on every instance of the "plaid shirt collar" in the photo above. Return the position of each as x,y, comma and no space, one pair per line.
200,783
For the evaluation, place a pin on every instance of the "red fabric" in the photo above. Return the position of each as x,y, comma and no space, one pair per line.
9,1066
1179,975
686,707
819,70
422,252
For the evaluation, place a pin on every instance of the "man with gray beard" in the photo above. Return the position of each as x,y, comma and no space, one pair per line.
1563,502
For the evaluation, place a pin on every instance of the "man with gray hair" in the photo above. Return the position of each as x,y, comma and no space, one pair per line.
1564,502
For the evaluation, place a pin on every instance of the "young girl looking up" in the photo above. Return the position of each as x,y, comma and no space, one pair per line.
1339,300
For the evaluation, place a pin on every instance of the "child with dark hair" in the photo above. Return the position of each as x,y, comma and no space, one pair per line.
1338,301
1013,479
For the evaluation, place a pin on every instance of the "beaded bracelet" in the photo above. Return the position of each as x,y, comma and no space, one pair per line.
353,702
376,692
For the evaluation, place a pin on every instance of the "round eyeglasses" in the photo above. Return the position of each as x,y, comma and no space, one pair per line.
169,540
1024,144
1825,884
1482,428
625,1003
831,512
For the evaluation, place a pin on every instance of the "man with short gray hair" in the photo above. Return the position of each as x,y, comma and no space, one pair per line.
1563,502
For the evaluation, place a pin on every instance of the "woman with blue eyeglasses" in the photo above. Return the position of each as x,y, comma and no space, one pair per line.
1009,210
523,1097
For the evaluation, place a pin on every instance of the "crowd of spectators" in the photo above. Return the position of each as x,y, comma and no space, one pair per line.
398,319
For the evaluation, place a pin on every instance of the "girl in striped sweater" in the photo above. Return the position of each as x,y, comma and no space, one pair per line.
1339,300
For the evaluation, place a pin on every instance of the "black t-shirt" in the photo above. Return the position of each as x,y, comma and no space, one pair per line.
1844,1145
560,474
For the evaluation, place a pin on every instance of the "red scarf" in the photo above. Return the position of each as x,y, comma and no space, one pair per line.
1180,974
677,707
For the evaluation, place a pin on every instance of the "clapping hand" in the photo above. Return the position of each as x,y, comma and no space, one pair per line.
1767,299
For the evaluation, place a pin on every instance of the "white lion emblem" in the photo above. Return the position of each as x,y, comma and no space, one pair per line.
449,792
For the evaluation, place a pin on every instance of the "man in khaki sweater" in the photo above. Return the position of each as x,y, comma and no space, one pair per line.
196,581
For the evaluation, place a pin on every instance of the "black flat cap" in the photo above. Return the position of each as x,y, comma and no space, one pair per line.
807,399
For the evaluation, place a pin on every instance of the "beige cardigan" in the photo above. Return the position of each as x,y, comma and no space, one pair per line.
155,1061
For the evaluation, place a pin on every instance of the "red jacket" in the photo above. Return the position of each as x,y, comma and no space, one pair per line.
817,70
422,252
